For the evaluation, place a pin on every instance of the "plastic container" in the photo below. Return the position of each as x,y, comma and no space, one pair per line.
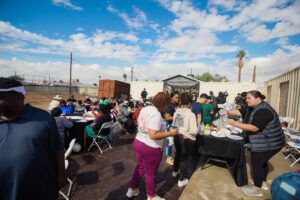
206,130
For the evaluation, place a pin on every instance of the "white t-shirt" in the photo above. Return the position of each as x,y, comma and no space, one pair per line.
151,118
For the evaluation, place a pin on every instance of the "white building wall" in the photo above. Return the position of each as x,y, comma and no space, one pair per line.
152,87
232,88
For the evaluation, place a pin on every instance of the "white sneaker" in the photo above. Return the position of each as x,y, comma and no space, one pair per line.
156,197
183,182
132,193
174,174
264,186
252,191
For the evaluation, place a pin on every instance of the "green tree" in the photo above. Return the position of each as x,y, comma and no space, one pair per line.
125,77
16,77
208,77
240,63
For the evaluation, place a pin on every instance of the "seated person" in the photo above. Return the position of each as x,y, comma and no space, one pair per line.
125,117
87,103
71,100
104,101
93,113
66,110
61,123
137,111
92,129
55,102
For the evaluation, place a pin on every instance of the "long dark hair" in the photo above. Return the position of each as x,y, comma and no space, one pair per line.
257,94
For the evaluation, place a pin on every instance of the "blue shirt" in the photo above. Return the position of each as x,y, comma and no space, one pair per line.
67,110
28,147
197,108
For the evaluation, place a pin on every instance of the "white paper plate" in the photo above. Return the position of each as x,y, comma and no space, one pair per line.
235,137
82,120
218,134
89,118
74,117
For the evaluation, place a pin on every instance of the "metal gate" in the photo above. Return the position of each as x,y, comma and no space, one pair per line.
284,91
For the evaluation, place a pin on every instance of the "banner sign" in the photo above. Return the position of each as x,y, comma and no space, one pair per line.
182,84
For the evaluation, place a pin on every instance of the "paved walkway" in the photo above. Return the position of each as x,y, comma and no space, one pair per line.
107,176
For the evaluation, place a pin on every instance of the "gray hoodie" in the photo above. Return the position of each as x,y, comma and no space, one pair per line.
186,122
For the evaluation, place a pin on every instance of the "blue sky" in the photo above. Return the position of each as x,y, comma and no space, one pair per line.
159,38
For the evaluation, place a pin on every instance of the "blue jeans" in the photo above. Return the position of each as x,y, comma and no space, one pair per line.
168,148
168,144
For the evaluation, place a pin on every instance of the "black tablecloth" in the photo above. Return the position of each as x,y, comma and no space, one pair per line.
231,151
77,131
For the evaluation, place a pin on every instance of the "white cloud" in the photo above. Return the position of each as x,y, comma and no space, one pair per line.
195,30
147,41
227,4
137,22
66,3
255,18
111,45
86,73
79,29
272,65
282,41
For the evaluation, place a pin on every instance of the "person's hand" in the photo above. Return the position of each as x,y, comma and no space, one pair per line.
69,119
173,131
231,122
62,181
224,112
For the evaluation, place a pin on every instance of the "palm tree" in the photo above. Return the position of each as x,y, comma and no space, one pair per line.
240,63
125,77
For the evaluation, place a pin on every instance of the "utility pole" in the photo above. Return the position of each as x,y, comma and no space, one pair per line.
70,83
131,74
254,74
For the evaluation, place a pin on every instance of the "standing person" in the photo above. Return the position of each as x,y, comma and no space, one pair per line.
208,111
144,94
32,155
262,125
185,120
169,119
148,145
214,99
197,108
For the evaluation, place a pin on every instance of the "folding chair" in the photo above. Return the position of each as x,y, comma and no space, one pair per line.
67,153
294,152
99,138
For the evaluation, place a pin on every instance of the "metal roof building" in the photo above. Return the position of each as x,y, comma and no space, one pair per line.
283,94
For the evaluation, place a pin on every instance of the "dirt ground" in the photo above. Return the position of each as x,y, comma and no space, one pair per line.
107,176
42,100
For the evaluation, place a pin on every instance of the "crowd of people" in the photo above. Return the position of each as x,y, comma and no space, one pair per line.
37,157
181,117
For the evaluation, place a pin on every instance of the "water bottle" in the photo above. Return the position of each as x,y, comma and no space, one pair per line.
206,130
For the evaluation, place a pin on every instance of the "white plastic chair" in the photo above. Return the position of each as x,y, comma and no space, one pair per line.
67,153
99,138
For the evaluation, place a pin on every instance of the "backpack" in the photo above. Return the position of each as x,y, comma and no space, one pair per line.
286,187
